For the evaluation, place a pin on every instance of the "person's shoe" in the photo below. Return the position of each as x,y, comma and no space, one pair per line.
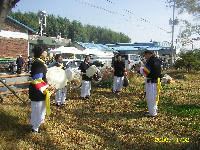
87,97
58,105
83,98
148,115
34,131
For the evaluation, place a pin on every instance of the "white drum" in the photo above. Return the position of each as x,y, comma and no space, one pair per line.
91,71
70,74
56,77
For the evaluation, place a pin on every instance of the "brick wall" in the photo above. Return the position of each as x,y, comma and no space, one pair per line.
10,47
13,47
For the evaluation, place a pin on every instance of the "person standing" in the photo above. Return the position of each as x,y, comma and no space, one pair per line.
38,87
86,81
152,71
61,93
20,63
29,63
119,72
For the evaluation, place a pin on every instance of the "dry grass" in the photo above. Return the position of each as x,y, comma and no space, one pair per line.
108,121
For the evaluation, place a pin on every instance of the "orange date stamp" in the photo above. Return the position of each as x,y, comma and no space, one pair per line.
168,140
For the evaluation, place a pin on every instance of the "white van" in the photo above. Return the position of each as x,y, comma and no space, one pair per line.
131,60
105,60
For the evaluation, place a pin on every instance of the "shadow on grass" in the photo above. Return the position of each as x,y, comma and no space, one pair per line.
12,132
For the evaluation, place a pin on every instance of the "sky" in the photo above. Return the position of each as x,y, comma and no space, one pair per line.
141,20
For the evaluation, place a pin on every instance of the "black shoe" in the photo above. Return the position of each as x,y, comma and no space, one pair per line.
58,105
33,131
83,98
87,97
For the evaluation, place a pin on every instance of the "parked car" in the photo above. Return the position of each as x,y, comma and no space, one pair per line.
70,63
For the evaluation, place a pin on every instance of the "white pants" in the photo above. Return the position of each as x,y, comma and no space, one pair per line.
61,96
38,114
151,92
118,83
85,88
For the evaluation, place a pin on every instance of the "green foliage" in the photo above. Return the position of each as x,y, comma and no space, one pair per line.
189,60
189,6
72,30
106,83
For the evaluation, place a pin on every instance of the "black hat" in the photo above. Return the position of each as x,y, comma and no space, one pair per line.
147,51
118,56
57,56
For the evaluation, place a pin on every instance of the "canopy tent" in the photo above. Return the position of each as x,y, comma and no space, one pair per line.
94,52
64,50
73,50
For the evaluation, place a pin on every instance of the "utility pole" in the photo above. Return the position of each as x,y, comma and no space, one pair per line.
172,44
42,23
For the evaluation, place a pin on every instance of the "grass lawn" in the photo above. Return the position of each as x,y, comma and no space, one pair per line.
110,121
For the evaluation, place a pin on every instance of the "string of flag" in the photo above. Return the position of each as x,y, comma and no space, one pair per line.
142,19
122,16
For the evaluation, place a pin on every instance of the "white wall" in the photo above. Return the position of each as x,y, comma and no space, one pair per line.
17,35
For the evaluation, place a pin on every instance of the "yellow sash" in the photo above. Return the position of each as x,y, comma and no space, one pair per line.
61,65
36,59
47,101
158,90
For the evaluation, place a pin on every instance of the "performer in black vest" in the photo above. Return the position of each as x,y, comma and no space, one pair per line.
152,71
38,86
119,72
61,93
86,81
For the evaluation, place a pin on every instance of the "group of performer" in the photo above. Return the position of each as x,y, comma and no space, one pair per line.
39,87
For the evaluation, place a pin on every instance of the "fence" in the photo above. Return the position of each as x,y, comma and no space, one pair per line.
16,83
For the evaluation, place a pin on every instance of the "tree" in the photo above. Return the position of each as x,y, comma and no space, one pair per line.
191,7
189,60
5,7
72,30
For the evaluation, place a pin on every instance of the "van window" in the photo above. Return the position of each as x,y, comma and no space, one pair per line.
134,57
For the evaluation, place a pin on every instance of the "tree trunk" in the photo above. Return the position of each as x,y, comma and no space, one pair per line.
5,7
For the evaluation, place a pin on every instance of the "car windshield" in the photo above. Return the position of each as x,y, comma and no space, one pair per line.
73,64
69,64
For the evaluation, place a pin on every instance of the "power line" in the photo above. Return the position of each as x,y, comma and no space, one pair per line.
112,12
142,19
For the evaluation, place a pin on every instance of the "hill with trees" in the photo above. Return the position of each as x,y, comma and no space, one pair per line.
74,30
